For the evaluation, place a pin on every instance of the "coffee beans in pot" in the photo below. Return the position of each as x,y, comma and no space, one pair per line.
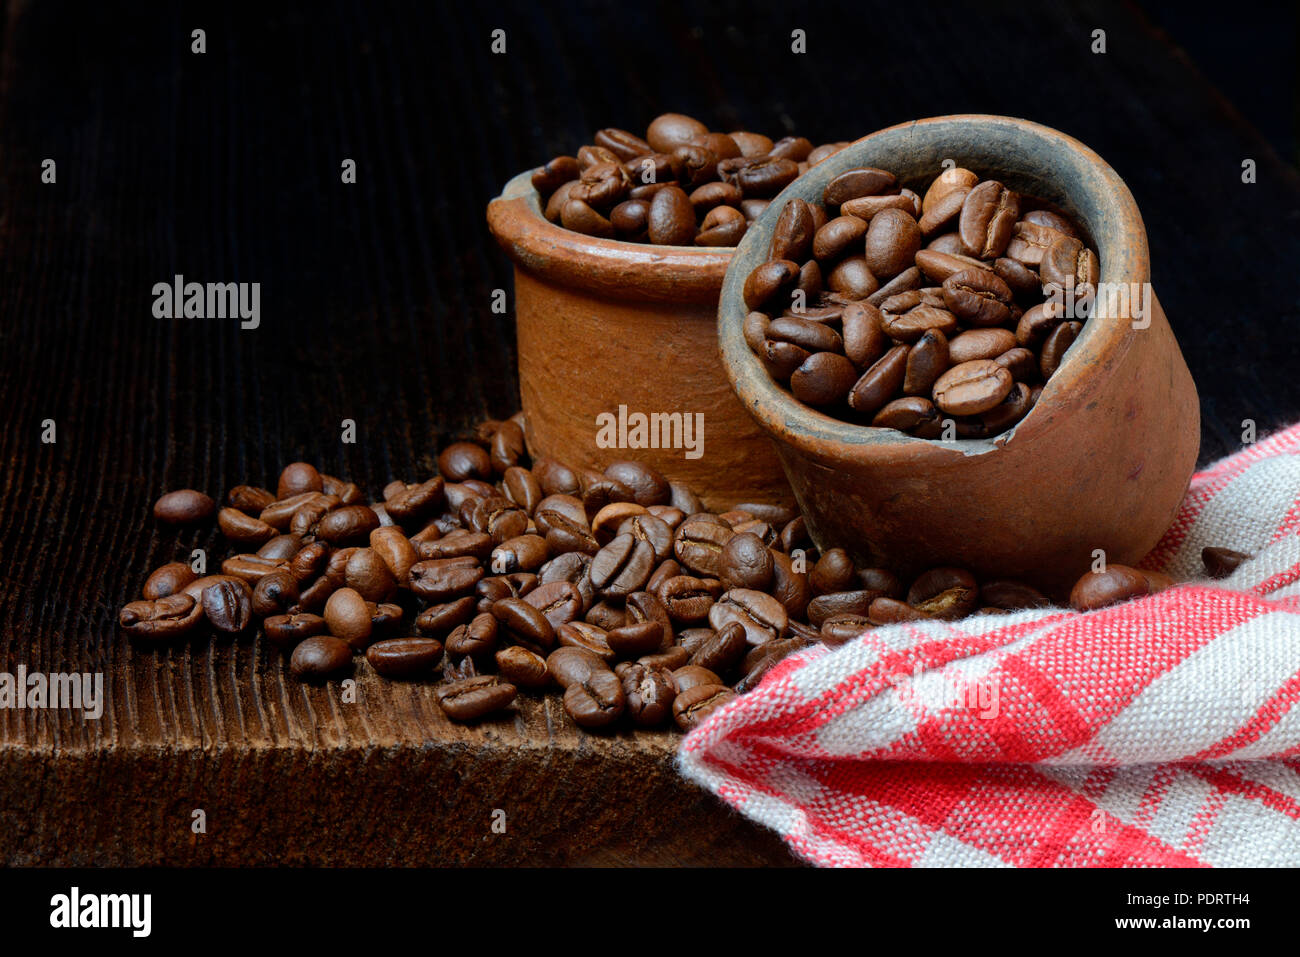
679,185
938,315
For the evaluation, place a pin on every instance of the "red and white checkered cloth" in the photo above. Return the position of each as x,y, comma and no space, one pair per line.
1160,732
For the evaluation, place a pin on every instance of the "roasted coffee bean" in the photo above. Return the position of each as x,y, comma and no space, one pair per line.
1045,217
978,297
349,525
404,657
588,637
693,706
560,170
228,605
1116,584
167,580
275,594
1029,241
458,543
693,676
249,499
287,631
987,217
1056,345
1069,264
297,478
244,529
926,361
319,657
653,531
880,382
914,414
953,179
723,650
792,237
980,344
806,334
943,214
606,615
385,620
522,668
671,219
442,618
746,562
837,604
635,638
842,629
161,618
892,242
853,278
473,698
764,178
1012,595
581,217
688,598
622,566
648,486
369,575
768,281
1020,362
527,625
698,546
1023,281
837,236
864,181
477,639
864,339
940,266
558,601
596,700
464,460
416,502
1221,562
972,387
909,315
570,665
521,553
555,478
184,507
648,695
865,207
348,616
824,378
948,593
282,546
889,611
443,579
761,615
833,572
782,359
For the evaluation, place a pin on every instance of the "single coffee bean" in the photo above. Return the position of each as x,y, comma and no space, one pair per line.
228,605
477,639
769,280
841,629
698,546
913,414
864,339
987,217
852,278
1220,562
560,170
244,529
926,361
881,382
892,242
369,575
671,219
319,657
1020,362
1029,241
596,700
833,572
760,614
1056,345
167,580
746,563
1116,584
972,387
349,525
296,478
1069,264
522,668
184,507
764,178
570,665
948,593
249,499
443,579
473,698
1045,217
275,594
287,631
464,460
526,623
865,181
622,566
1022,280
823,379
890,611
978,297
635,638
404,657
648,695
692,707
692,676
909,315
167,617
671,658
588,637
944,214
348,617
443,617
723,650
866,207
836,604
793,235
835,238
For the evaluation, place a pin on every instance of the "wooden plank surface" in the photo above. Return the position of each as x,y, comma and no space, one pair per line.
225,167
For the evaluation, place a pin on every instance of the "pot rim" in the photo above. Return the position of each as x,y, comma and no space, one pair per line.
612,268
1097,198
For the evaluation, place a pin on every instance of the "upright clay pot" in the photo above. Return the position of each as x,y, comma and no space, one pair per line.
1101,462
602,324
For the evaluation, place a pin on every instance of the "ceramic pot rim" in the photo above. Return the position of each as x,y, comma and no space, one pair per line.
606,267
1061,169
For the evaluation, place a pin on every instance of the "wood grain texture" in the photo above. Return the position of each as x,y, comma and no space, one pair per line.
375,298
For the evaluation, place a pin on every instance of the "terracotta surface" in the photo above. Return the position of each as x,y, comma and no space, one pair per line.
1102,460
602,323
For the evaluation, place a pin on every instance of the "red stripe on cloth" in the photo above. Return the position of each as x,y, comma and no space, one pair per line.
1203,821
1206,485
1231,782
1154,795
1278,580
1270,713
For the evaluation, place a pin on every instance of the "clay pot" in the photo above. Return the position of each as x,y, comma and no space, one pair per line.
602,324
1101,462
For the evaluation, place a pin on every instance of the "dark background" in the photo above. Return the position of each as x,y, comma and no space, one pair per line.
375,297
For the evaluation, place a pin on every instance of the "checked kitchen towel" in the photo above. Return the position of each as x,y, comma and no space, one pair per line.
1161,732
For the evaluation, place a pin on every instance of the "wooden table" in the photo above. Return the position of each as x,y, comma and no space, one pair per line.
376,297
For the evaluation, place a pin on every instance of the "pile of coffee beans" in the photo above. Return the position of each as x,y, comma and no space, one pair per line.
680,185
884,307
503,574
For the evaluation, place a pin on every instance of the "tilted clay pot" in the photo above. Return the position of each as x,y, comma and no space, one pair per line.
602,324
1101,462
